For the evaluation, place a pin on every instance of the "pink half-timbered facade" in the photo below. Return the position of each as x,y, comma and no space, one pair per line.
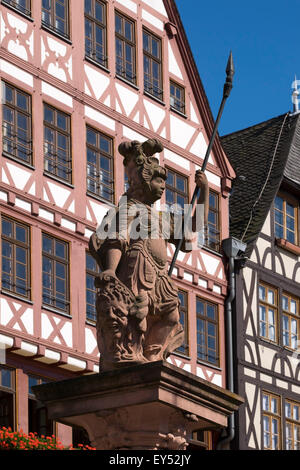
78,78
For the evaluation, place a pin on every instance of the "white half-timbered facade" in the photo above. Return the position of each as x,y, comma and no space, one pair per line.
264,211
78,78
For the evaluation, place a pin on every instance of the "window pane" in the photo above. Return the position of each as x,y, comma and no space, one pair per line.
290,210
6,378
279,217
128,30
265,402
287,409
60,249
99,11
274,405
22,100
279,203
91,136
47,244
271,297
285,303
293,306
118,24
279,232
88,6
6,228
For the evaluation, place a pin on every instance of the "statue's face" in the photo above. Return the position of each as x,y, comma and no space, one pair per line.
157,187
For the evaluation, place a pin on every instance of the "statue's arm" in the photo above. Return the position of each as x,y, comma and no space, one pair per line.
198,223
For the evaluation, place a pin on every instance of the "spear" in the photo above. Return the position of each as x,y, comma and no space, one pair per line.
226,93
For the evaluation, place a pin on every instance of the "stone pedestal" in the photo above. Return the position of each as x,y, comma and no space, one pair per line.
150,406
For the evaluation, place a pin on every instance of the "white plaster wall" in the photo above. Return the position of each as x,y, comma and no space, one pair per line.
266,230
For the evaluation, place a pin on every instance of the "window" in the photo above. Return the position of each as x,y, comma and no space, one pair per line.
176,189
55,15
183,312
207,331
16,123
55,273
37,412
271,421
92,270
177,99
22,5
213,233
99,164
290,321
125,47
57,143
95,31
152,64
268,312
286,220
15,257
292,425
200,440
7,397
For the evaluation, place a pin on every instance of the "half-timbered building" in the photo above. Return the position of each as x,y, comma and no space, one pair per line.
264,214
77,78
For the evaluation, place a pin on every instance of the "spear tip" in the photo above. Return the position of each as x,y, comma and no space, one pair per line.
230,66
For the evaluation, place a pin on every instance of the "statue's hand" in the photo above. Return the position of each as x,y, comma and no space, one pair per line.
201,179
104,276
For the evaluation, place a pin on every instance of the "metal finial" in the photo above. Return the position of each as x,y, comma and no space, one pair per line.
229,76
230,66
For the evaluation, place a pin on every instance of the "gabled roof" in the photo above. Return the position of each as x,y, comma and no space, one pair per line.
197,86
261,155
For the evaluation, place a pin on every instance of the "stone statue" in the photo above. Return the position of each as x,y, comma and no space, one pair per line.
137,302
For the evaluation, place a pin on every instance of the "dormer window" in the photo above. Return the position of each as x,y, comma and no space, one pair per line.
177,98
285,212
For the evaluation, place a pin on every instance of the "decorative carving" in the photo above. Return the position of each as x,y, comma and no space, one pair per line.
120,430
137,302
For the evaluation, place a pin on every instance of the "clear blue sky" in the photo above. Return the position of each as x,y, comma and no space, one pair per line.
264,38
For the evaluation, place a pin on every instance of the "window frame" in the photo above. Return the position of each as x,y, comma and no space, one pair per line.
54,259
196,443
160,95
217,243
291,316
99,152
174,189
184,310
267,305
207,320
93,274
182,107
293,422
15,6
95,22
270,415
50,26
17,243
27,113
53,160
292,201
126,41
10,390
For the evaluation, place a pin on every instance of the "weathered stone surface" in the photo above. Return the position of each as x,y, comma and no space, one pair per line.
150,406
137,302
